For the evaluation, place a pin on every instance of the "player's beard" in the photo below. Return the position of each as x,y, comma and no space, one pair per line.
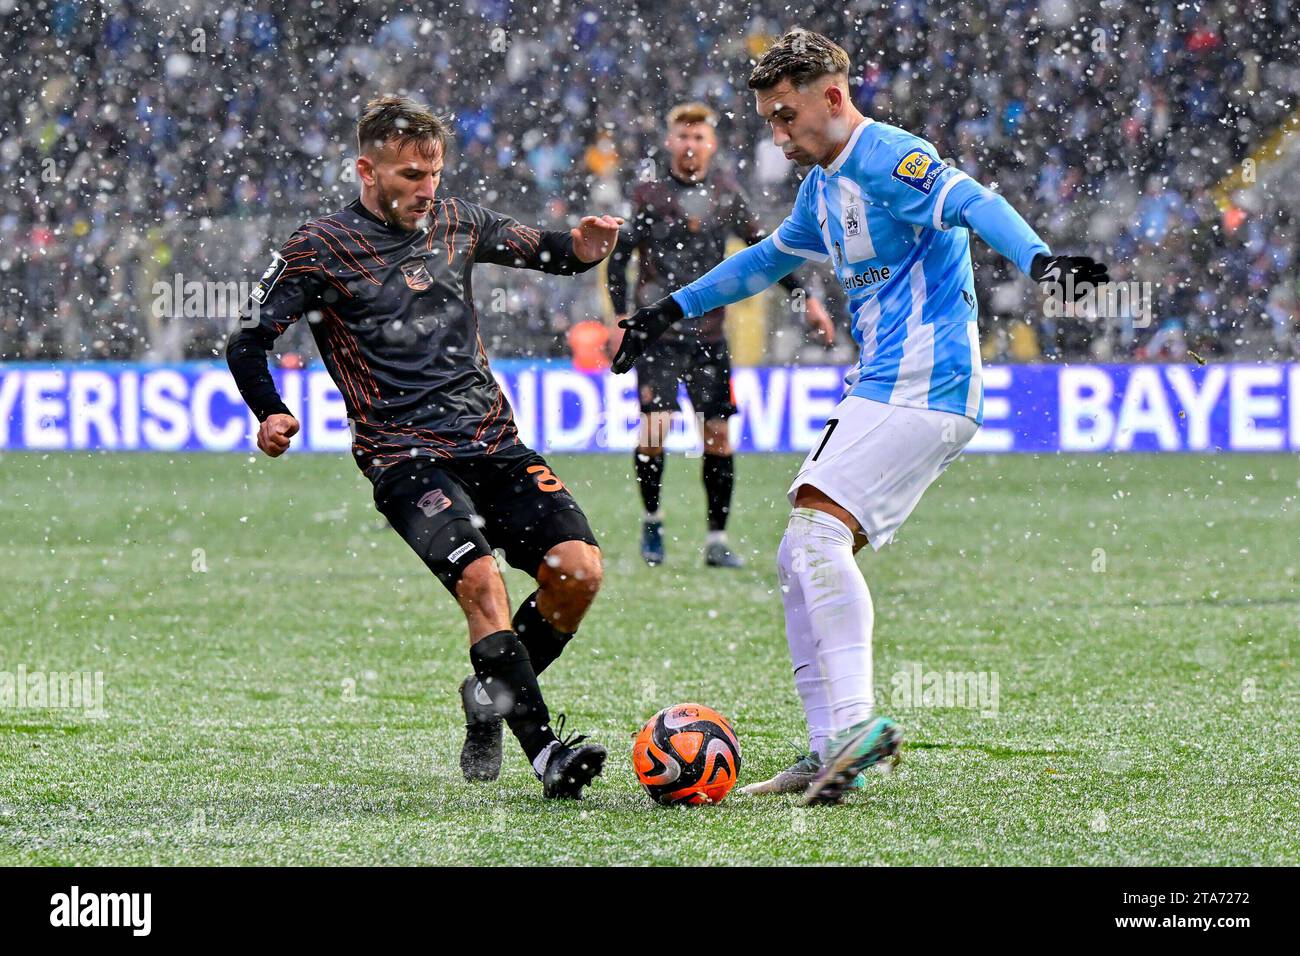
392,207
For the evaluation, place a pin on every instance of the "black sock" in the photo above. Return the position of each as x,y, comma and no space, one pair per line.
719,479
539,636
650,477
503,668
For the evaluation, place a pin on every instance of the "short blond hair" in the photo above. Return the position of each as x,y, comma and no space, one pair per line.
692,113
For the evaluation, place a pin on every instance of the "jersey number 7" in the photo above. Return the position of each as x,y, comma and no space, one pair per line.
830,427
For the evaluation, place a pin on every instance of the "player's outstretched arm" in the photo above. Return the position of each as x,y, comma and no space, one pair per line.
908,178
994,220
506,242
737,277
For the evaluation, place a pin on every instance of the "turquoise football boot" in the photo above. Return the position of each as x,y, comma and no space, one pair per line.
874,741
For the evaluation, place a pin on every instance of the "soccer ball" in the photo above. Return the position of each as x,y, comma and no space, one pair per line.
687,753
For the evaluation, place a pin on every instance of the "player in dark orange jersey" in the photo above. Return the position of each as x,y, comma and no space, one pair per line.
386,285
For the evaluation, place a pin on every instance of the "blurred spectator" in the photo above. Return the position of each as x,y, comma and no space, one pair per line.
588,342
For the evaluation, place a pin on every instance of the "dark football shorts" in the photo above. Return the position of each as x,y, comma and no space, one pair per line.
704,366
512,496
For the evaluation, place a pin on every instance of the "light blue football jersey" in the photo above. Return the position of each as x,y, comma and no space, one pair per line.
892,220
876,213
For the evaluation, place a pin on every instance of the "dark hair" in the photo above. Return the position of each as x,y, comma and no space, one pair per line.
401,118
800,56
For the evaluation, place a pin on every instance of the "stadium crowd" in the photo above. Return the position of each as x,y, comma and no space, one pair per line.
143,140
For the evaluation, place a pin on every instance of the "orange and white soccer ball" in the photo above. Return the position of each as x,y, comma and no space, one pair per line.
687,753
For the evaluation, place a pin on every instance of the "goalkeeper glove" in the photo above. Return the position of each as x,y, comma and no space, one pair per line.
642,328
1069,276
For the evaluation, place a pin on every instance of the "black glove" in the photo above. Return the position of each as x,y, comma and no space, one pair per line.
1054,270
642,328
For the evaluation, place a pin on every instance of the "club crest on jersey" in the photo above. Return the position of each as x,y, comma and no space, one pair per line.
852,220
416,275
269,278
919,170
433,501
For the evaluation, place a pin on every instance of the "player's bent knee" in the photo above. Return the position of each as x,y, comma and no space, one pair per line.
815,532
812,497
572,569
454,552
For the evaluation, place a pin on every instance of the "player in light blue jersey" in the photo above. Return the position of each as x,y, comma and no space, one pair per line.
894,221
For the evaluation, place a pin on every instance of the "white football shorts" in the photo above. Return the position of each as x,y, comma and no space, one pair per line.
876,460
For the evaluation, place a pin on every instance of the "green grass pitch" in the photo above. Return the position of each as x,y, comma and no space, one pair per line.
294,703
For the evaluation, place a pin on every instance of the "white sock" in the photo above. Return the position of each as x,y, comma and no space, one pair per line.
808,680
716,537
543,758
839,610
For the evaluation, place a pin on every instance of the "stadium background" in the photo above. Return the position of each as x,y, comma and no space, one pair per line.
148,138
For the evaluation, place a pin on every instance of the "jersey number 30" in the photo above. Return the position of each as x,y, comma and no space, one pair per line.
545,478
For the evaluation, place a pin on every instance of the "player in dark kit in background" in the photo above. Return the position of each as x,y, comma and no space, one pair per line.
386,285
679,228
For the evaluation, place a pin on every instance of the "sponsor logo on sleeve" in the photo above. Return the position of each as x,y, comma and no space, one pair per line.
919,170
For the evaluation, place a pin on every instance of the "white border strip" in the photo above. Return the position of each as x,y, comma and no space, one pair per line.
937,218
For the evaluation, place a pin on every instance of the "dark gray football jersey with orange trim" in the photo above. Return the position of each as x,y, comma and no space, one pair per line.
392,313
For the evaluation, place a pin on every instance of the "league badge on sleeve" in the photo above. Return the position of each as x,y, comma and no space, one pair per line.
919,170
269,278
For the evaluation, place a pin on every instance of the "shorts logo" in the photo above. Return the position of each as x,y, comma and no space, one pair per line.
919,170
417,275
269,278
852,220
460,552
433,501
